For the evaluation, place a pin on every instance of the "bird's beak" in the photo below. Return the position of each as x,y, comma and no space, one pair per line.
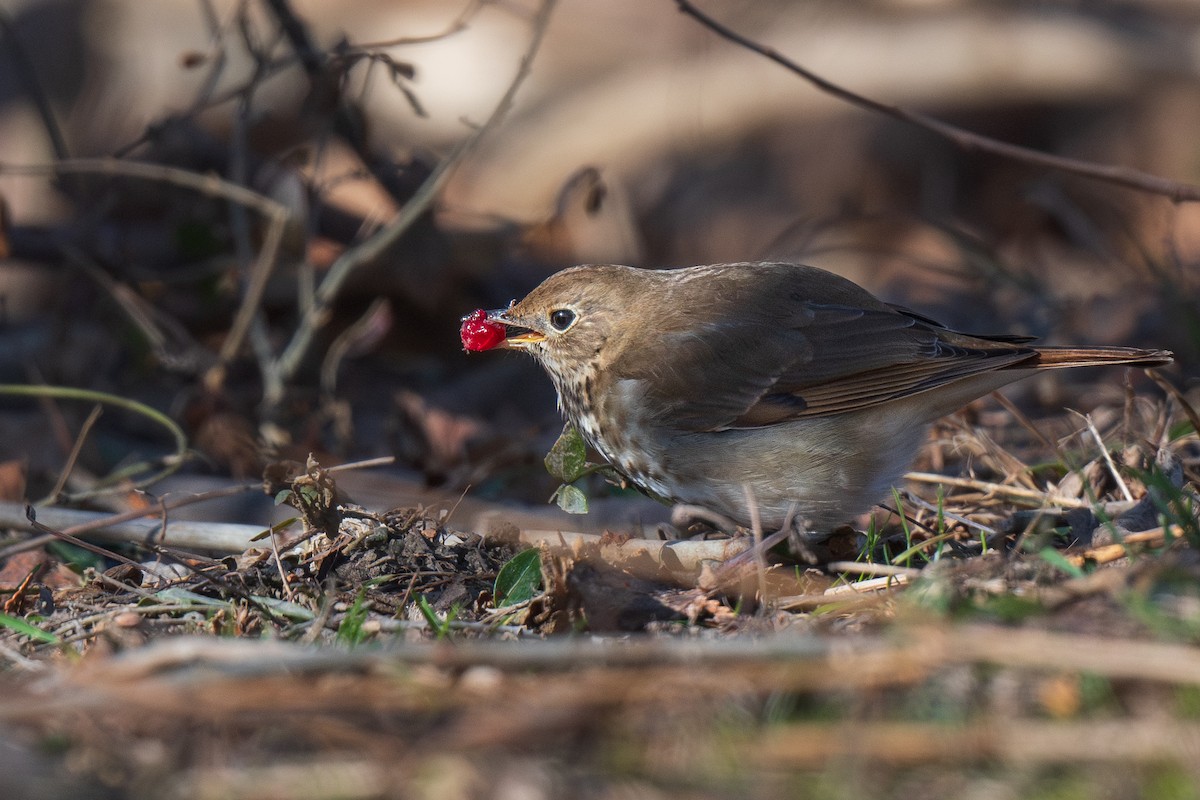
516,335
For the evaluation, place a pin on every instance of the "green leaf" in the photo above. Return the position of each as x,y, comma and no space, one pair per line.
284,607
1007,608
278,527
1181,429
570,499
1060,562
439,626
350,631
76,558
567,459
519,579
188,600
32,631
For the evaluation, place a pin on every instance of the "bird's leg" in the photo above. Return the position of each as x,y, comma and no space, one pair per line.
683,515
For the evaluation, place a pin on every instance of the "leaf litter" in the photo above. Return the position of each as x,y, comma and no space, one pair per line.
375,645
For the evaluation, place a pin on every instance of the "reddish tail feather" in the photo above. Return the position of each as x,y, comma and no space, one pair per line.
1061,357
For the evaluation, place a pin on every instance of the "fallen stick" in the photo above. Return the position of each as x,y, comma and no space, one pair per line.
674,559
1156,537
647,558
228,537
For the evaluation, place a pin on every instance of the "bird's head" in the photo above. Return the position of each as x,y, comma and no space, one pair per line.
566,322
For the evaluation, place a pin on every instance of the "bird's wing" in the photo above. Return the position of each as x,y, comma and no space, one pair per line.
798,357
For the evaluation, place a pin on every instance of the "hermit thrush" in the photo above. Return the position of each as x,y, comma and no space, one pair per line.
781,383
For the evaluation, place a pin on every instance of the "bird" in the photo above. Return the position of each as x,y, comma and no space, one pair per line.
768,390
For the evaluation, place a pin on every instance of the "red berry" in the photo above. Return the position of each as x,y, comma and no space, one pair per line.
480,333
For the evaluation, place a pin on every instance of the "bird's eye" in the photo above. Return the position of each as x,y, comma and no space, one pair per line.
562,318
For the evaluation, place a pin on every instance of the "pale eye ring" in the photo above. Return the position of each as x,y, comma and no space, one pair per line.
562,318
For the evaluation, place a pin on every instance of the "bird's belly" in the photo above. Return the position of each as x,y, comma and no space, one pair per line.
827,469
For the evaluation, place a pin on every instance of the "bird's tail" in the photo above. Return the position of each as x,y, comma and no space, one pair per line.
1062,357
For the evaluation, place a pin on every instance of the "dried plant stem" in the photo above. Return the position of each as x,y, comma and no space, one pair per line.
1108,460
869,568
31,515
283,573
1024,421
967,522
260,272
73,456
988,488
170,342
381,461
1168,387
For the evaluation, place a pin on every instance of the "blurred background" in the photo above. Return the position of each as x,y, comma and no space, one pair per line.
638,137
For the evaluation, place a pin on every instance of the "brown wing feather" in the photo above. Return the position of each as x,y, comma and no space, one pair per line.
866,389
816,345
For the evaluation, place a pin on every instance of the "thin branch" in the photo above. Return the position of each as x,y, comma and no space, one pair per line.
33,87
31,515
173,462
967,522
989,488
217,59
1025,421
459,23
231,537
370,327
1188,409
1108,459
381,461
276,214
324,73
297,35
203,183
225,537
417,205
1122,176
255,283
869,568
73,456
170,342
923,648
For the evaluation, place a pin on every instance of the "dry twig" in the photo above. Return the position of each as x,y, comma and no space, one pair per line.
1121,176
371,249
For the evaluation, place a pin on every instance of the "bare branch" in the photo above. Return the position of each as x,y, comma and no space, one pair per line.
1177,191
209,184
417,205
28,76
459,23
